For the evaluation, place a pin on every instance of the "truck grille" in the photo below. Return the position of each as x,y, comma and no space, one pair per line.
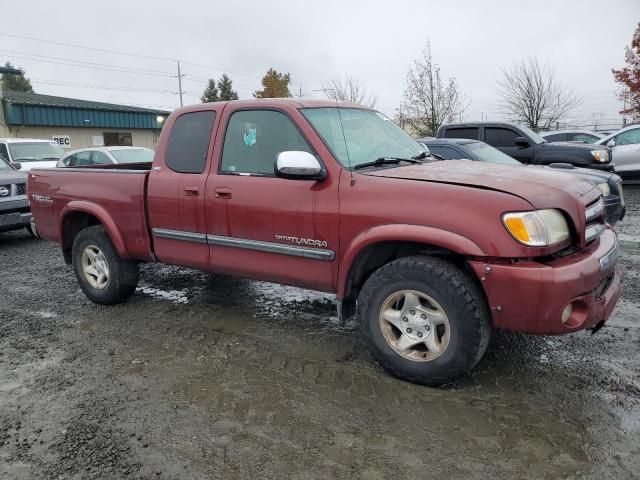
594,220
12,190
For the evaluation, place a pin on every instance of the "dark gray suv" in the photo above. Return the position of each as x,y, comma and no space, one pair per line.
14,203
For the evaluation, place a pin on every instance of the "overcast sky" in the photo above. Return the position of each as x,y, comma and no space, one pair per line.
374,40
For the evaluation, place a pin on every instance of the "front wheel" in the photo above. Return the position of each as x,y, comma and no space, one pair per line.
103,275
424,319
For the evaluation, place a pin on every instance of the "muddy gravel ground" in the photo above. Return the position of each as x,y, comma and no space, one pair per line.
204,376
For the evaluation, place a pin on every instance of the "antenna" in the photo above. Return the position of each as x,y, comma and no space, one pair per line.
344,138
346,147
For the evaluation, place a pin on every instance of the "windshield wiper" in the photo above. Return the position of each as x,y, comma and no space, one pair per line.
421,156
385,161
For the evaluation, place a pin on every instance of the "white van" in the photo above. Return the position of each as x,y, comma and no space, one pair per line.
30,153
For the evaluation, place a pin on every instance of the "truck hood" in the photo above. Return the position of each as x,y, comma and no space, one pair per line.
12,177
542,188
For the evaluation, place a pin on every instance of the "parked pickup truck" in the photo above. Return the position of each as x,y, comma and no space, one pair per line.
431,255
527,146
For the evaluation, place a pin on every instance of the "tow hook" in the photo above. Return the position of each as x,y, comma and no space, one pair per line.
597,327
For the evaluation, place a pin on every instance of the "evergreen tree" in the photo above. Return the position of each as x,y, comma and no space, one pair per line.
225,89
210,93
274,85
11,82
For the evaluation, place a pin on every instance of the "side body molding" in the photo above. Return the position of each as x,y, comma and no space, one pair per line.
82,206
403,233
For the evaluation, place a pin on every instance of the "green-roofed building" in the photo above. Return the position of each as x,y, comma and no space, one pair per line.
78,123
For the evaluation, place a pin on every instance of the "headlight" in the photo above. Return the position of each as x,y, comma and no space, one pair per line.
539,228
600,155
605,189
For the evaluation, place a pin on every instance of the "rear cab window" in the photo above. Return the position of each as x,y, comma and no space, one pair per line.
188,142
470,133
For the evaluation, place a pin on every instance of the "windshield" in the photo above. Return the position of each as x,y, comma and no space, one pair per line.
487,153
357,136
133,155
4,167
34,152
533,135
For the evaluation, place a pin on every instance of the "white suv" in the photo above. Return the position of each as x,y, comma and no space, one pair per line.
30,153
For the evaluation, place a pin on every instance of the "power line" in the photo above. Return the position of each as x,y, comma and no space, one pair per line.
99,86
86,63
84,47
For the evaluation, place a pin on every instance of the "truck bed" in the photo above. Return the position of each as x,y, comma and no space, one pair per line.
57,194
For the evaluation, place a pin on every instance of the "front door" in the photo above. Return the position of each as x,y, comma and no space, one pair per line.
626,151
176,189
263,226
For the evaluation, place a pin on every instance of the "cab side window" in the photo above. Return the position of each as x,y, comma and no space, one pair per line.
100,158
464,132
69,161
82,159
254,138
629,137
189,142
500,137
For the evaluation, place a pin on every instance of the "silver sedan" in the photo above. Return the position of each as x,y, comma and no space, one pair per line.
106,156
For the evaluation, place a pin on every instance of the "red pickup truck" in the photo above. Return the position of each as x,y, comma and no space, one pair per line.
430,254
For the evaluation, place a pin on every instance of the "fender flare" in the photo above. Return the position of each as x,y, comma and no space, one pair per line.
434,236
82,206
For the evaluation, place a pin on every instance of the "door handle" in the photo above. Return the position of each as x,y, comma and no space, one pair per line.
193,191
222,192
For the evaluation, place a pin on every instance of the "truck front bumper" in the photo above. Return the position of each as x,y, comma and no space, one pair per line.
14,214
531,297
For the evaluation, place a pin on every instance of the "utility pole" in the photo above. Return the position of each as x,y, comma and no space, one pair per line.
179,82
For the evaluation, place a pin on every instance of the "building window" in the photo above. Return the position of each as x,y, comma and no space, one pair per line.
117,139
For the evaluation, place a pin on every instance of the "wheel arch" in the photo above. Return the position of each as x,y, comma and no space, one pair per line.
79,215
380,245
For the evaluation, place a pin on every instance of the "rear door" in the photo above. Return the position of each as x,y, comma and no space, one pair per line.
504,139
176,190
263,226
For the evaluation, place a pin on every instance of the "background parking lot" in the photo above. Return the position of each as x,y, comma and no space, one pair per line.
207,376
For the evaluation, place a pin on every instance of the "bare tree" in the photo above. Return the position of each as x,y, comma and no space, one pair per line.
428,101
349,89
531,94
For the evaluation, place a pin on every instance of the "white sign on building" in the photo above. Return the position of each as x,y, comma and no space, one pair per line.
63,140
97,140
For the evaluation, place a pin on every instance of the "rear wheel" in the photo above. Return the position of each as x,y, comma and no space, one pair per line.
103,275
424,319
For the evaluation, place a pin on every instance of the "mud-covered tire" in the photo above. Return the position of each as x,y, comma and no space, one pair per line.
459,297
122,274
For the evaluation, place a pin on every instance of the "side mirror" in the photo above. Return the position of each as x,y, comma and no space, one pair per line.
611,143
522,142
298,165
16,165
